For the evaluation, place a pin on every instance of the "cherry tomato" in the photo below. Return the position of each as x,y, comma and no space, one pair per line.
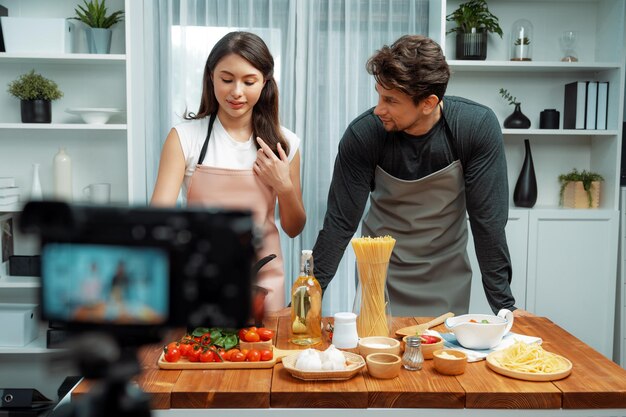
227,355
194,353
185,347
242,334
428,339
237,357
172,345
253,356
252,329
172,354
245,351
207,355
265,334
266,355
205,340
252,336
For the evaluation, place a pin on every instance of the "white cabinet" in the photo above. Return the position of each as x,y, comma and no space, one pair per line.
100,153
572,263
517,240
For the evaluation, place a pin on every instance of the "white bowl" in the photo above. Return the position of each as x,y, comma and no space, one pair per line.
94,115
480,335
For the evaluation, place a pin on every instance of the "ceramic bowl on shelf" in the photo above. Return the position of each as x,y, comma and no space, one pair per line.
378,344
383,365
93,115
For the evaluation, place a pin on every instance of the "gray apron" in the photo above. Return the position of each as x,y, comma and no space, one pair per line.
429,271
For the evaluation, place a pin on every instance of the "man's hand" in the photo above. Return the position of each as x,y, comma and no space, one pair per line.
522,313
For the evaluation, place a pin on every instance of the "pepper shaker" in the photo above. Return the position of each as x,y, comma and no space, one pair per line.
413,358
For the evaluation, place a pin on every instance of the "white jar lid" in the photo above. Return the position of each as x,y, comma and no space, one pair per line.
344,317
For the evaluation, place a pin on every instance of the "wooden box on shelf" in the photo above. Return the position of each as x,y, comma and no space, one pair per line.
575,195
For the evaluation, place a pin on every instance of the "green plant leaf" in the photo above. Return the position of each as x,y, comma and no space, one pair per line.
34,86
94,15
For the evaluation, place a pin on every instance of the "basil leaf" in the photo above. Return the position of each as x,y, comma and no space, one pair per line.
199,331
230,341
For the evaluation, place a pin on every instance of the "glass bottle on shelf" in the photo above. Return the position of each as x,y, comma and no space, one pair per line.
306,305
521,40
62,164
568,41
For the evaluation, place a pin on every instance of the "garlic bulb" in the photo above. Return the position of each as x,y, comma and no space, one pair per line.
333,359
309,360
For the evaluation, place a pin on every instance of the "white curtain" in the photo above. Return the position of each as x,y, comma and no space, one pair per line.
320,48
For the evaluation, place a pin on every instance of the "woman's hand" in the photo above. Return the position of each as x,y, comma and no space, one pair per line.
272,171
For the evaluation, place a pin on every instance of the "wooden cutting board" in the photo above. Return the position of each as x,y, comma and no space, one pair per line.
279,354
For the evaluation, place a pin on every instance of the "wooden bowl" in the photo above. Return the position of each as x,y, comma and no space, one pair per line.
383,365
450,366
378,344
427,348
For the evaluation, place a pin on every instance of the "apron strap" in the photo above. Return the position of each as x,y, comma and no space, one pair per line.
449,137
205,145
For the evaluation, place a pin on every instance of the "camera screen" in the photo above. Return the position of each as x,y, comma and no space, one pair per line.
104,284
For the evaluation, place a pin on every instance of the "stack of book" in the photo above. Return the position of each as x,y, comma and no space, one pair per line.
9,194
585,105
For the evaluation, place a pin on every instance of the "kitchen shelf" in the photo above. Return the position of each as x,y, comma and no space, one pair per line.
62,126
558,132
36,346
9,281
531,66
38,58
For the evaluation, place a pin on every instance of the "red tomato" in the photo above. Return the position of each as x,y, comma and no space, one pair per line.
194,353
237,357
227,355
205,340
242,334
185,347
252,336
253,356
245,351
428,339
207,356
172,354
266,355
265,334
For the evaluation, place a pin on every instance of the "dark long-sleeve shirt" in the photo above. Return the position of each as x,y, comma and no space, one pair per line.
478,139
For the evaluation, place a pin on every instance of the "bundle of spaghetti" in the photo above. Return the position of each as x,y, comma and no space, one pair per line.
372,255
530,358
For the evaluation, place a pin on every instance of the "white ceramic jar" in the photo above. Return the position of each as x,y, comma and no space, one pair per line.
344,334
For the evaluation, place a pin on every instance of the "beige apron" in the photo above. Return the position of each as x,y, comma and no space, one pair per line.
429,271
242,189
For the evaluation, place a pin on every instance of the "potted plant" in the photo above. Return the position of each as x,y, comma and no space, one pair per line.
99,32
36,94
517,119
580,189
474,22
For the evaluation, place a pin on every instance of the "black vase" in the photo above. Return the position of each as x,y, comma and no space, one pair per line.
36,111
517,120
525,194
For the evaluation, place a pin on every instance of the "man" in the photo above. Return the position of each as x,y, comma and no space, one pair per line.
424,161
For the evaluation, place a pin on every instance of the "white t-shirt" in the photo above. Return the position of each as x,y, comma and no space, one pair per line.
223,151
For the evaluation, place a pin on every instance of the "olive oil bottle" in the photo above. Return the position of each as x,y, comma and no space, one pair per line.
306,305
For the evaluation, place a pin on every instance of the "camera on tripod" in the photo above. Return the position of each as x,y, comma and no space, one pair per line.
129,274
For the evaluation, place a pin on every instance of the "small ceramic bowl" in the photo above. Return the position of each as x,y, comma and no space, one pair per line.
449,362
383,365
378,344
427,348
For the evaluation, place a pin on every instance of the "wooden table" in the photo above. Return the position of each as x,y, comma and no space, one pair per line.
596,383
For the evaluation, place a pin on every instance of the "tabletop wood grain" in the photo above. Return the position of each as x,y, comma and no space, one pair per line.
595,382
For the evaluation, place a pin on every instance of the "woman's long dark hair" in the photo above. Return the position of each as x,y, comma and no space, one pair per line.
250,47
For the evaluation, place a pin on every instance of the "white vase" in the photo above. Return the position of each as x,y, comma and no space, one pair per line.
62,167
35,188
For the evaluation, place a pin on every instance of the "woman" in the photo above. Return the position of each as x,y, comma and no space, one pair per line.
234,154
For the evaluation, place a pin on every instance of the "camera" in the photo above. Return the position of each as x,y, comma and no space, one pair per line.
128,271
116,278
